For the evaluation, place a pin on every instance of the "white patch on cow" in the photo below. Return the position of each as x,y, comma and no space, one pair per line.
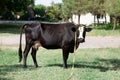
81,30
36,44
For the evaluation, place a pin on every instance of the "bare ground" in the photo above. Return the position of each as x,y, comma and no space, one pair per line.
101,42
91,41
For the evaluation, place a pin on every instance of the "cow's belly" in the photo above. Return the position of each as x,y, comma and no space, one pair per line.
51,45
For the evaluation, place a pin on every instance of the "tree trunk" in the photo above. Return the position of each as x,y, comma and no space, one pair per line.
98,22
105,18
98,16
94,21
79,18
71,18
115,22
119,20
111,19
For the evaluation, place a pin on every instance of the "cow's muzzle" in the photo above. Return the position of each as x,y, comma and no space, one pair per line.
81,40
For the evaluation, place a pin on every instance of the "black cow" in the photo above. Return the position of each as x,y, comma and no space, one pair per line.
51,36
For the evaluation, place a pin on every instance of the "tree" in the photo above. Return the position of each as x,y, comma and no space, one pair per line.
67,9
40,11
77,7
49,13
57,8
80,7
3,7
54,12
96,7
14,6
113,8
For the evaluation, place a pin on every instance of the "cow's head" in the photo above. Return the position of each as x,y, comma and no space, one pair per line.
82,32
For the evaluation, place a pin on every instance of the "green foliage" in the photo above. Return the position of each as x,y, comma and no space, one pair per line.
67,9
64,11
40,11
9,16
104,30
112,7
79,7
2,6
14,6
90,64
50,13
54,12
97,6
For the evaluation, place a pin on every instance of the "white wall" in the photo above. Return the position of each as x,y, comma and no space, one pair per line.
88,19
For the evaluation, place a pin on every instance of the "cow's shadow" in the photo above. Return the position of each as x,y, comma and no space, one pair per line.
5,69
101,64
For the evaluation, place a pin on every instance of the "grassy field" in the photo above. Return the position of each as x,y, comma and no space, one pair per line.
9,29
100,30
104,30
90,64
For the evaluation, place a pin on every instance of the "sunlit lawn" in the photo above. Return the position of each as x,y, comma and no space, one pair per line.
105,30
90,64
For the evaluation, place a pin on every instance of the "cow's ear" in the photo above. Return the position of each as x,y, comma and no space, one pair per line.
88,29
73,29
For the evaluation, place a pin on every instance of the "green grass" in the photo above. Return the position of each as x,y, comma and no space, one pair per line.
7,29
104,30
90,64
97,32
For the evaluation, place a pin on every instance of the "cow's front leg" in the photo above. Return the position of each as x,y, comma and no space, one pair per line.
26,51
65,56
33,53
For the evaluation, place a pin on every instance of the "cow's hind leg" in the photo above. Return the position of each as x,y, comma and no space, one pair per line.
26,51
33,53
65,56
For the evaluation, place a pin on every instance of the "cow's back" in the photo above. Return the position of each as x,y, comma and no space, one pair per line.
56,35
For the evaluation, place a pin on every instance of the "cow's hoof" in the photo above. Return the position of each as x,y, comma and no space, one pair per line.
24,66
36,66
65,67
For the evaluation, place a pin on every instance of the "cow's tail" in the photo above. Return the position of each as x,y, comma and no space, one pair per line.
20,45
